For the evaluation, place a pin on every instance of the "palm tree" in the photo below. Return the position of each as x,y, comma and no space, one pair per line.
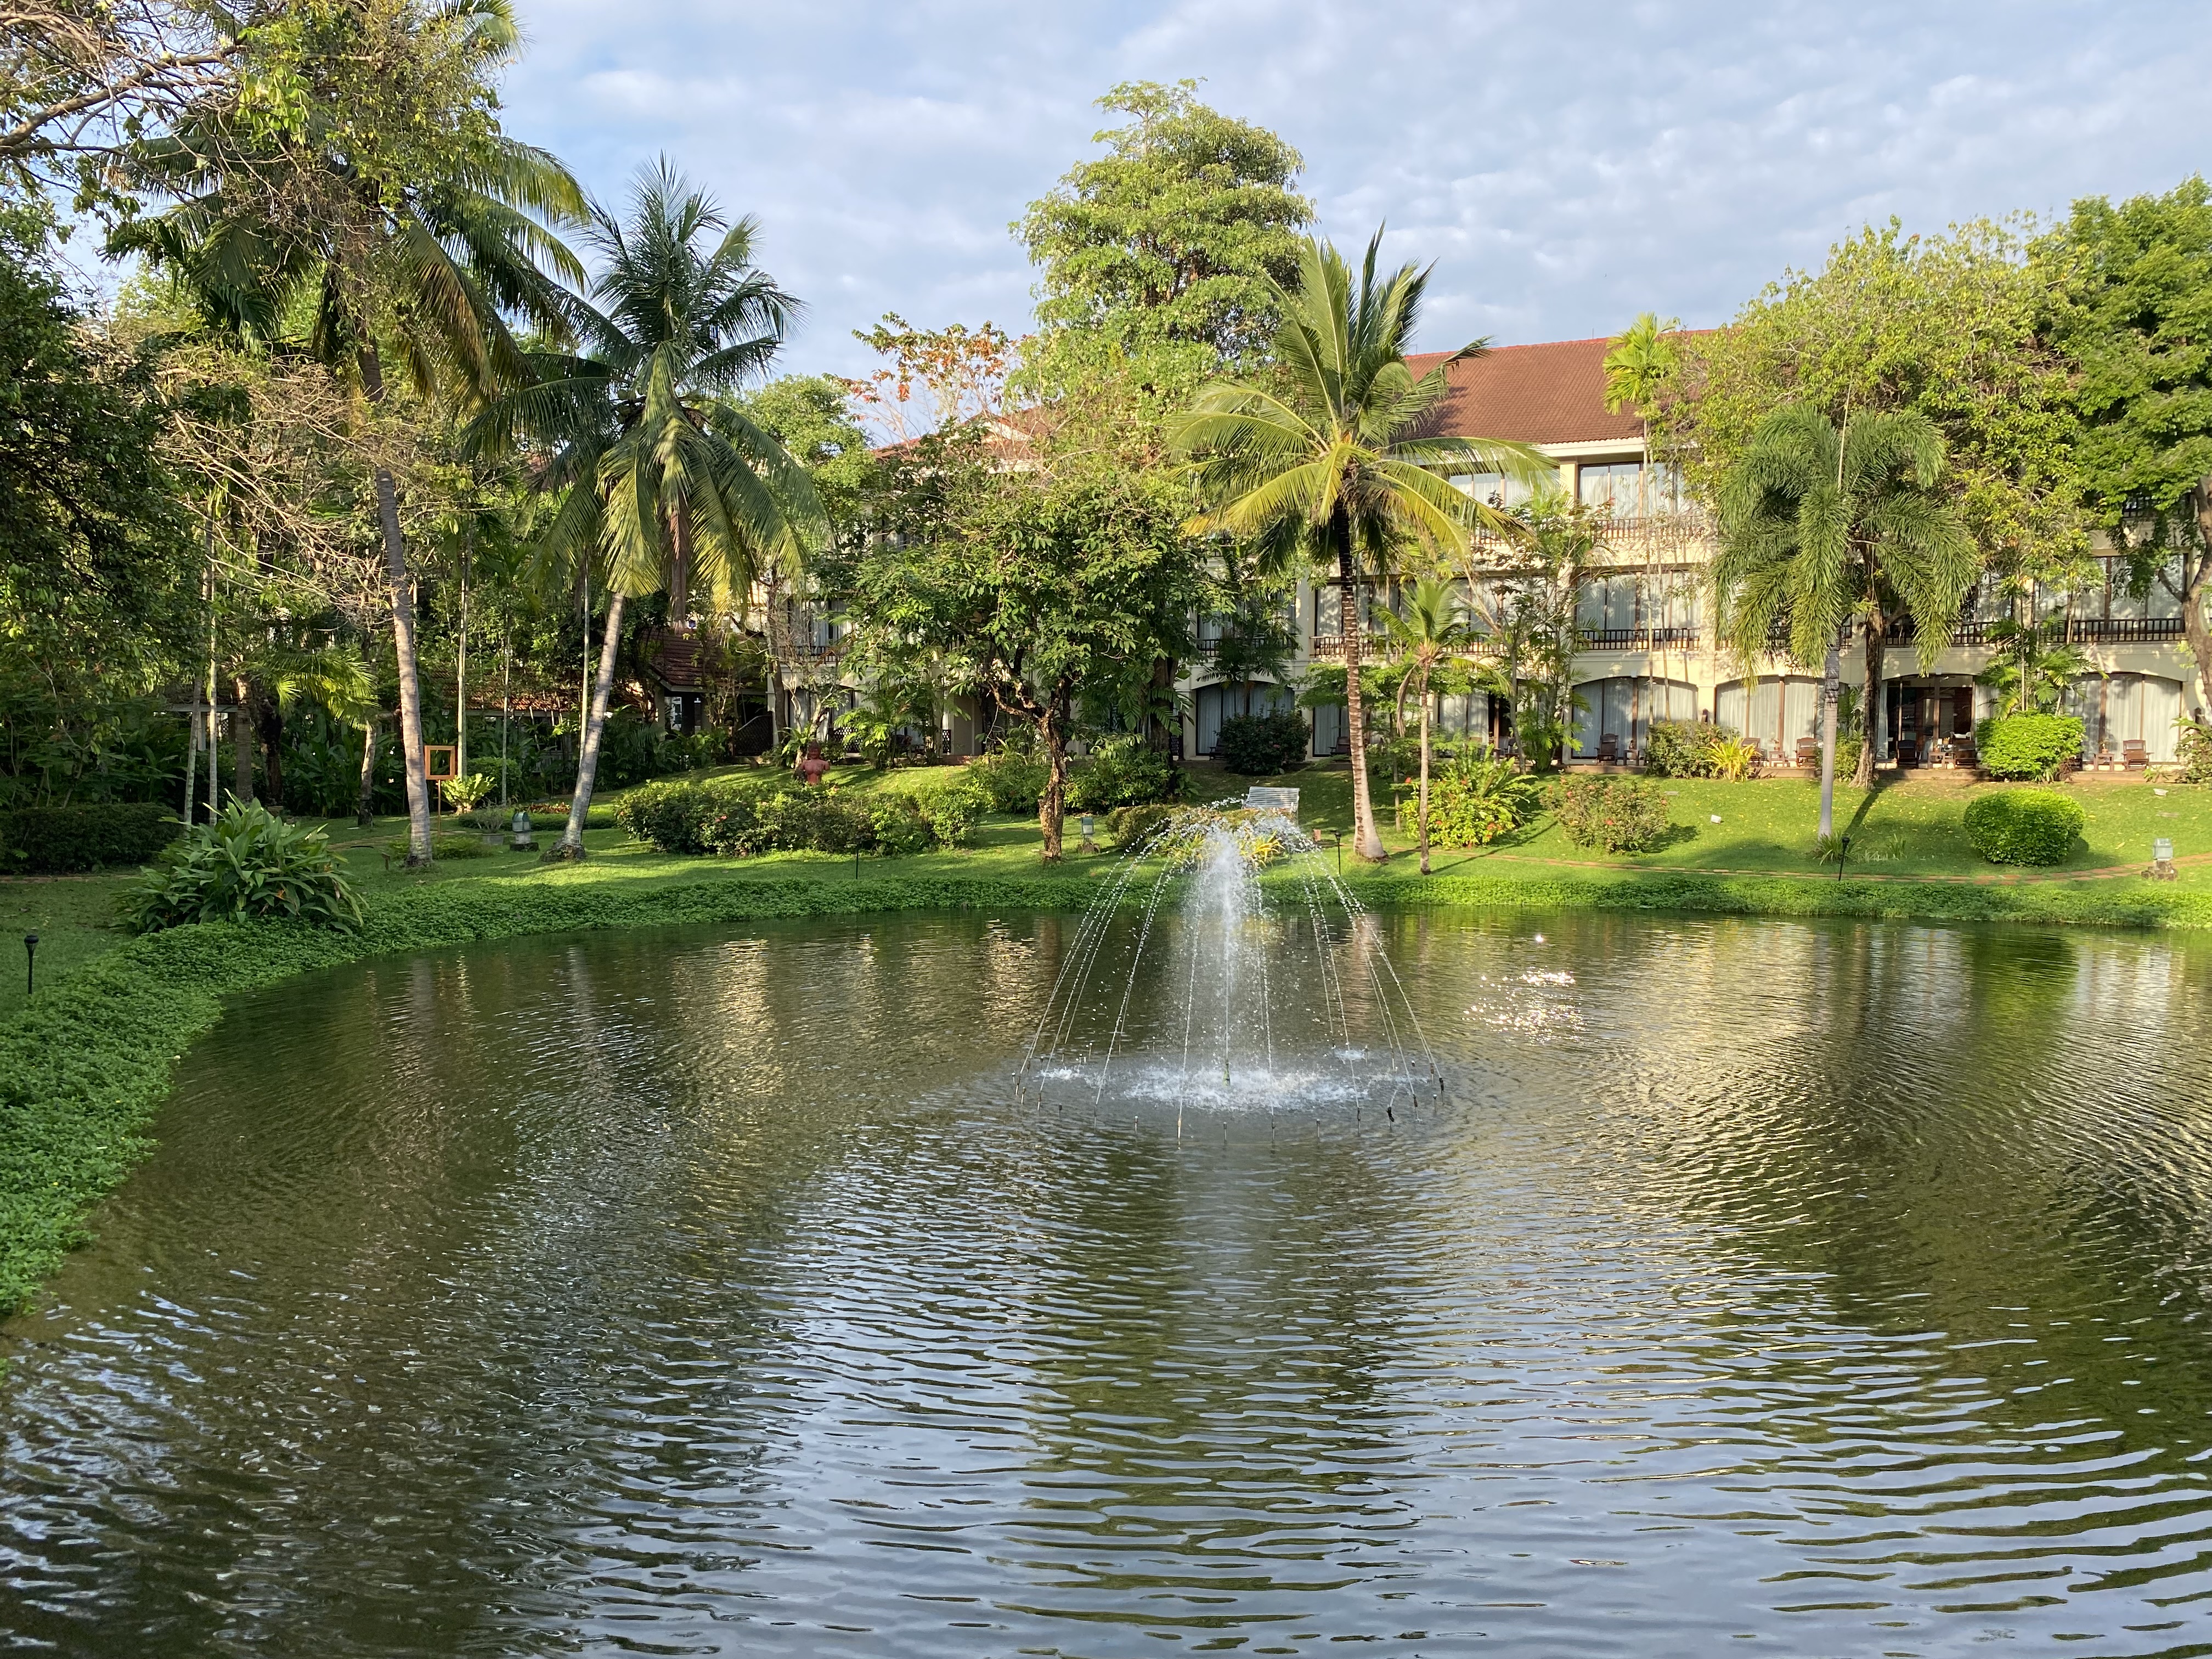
1819,525
665,482
2034,665
1430,627
266,227
1334,454
1638,364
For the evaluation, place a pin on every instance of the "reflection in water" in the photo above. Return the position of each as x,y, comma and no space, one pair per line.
1841,1287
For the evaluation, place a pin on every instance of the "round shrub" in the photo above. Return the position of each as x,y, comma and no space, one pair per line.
955,809
1619,814
898,825
2024,826
1122,771
1261,746
1129,825
2035,746
1014,782
1473,802
249,865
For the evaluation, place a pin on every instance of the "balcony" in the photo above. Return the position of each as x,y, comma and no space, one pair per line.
2122,630
1329,648
1678,638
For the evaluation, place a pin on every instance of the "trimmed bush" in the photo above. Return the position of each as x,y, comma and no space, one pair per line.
1014,782
2031,746
1619,814
1684,749
248,866
673,817
1474,802
57,841
1129,825
2024,826
1123,771
955,809
898,826
1261,746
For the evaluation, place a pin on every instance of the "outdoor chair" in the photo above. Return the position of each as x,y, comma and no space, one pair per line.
2134,755
1608,750
1808,754
1908,751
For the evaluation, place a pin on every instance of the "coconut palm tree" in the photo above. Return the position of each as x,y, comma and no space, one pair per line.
268,229
665,482
2034,665
1336,455
1820,525
1430,626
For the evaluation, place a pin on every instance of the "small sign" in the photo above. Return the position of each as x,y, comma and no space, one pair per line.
438,762
1261,798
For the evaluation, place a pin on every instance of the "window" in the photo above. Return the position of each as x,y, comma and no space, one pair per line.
1630,489
1501,491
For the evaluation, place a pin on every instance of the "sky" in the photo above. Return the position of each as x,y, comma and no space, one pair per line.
1565,167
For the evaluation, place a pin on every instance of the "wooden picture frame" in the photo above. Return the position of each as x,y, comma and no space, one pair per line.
439,762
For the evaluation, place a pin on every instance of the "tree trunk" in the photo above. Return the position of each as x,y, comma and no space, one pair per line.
241,744
587,762
269,728
214,720
461,667
1366,839
1870,698
2195,568
1421,810
1052,805
365,807
399,588
1831,686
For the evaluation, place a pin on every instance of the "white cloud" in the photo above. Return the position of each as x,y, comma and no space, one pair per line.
1565,167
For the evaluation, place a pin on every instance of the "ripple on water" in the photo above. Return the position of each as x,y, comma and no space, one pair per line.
1839,1287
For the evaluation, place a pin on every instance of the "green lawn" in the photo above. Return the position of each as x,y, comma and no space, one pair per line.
1897,832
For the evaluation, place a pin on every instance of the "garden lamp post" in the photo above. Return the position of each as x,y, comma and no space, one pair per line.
2161,859
30,961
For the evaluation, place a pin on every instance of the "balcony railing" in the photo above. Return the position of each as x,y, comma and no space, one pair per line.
1329,648
2122,630
1677,638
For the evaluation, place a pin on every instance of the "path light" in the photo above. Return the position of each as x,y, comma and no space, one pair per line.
30,961
1843,851
1089,844
2161,859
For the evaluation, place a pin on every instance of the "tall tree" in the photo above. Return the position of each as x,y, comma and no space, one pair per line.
1427,629
1819,525
1334,456
1159,262
2134,310
667,484
361,178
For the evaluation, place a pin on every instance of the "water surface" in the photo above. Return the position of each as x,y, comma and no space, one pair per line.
1837,1289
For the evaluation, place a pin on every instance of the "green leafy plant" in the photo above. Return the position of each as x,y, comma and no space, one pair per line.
1014,782
1474,802
2193,744
2024,826
1130,825
1262,745
1123,771
248,865
1685,749
955,809
1618,814
463,794
898,826
2030,746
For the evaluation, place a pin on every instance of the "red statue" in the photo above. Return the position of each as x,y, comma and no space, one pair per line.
811,766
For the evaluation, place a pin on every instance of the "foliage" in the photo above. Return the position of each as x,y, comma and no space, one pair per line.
1130,825
2024,826
1261,746
2193,746
248,866
2133,294
1617,814
954,809
1010,780
1123,771
740,816
1526,616
2033,666
2037,746
1475,800
1685,749
463,794
808,415
1945,327
1159,260
53,840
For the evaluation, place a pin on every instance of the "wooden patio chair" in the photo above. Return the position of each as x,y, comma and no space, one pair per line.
1808,754
1908,751
1608,750
2134,755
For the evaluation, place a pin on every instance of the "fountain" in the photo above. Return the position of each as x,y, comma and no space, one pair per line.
1288,997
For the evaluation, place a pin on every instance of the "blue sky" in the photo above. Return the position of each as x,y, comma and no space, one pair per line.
1564,166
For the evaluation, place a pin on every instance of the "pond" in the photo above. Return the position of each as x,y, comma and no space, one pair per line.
1840,1288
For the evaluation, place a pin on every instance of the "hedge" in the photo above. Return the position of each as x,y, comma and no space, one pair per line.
57,841
2035,746
2024,826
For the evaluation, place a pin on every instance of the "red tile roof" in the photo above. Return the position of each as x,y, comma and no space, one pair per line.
1552,394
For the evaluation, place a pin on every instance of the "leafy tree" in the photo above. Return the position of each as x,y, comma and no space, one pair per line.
1818,524
1334,459
1031,587
1949,327
2134,310
810,416
96,566
665,480
933,378
359,179
1160,262
1427,629
1524,611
